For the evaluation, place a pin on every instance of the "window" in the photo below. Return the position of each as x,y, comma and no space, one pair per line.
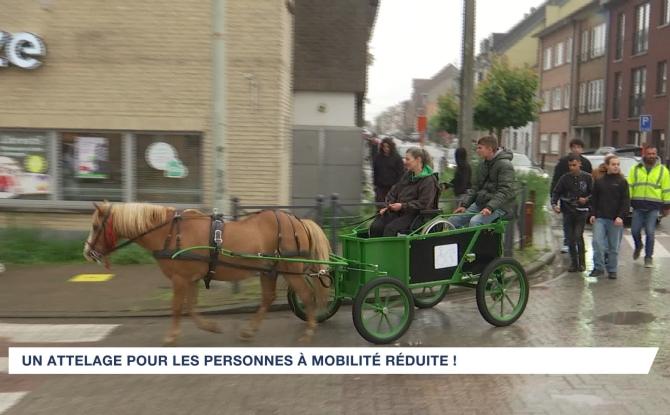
595,95
633,137
615,138
546,100
641,31
598,47
568,51
585,45
547,59
618,94
662,78
620,35
582,97
555,143
25,171
168,168
665,12
556,99
559,54
91,166
637,91
566,97
544,143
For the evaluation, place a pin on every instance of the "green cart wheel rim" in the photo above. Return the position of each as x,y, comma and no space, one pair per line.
502,292
427,297
383,310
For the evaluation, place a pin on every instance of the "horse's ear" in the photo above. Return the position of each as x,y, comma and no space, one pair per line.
96,205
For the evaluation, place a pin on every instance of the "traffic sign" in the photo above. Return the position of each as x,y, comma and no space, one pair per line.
645,123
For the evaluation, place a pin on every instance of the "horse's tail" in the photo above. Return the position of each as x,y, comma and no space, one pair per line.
319,249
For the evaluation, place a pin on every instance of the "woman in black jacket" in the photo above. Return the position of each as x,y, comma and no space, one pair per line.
416,191
387,169
462,180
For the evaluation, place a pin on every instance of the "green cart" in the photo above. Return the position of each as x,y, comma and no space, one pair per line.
386,278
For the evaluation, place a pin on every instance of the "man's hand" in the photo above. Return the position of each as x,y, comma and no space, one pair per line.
582,200
485,212
618,222
592,220
395,207
459,210
382,211
557,209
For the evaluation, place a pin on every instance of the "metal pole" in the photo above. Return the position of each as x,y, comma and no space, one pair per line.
219,102
333,221
465,122
319,210
235,202
522,216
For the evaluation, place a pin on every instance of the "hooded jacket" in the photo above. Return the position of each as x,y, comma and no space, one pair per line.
415,192
387,170
649,189
494,184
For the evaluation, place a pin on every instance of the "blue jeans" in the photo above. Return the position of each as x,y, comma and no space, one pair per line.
606,240
646,219
472,217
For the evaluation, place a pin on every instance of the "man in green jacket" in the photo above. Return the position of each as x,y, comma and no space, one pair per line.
649,183
492,195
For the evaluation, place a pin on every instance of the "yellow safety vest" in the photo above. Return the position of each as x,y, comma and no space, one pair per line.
651,187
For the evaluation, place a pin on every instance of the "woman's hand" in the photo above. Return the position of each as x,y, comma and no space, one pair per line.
382,211
618,222
395,207
459,210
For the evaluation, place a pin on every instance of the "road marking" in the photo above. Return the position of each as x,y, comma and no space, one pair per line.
659,249
55,333
3,365
9,399
91,278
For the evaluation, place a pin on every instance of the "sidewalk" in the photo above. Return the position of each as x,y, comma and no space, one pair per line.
143,291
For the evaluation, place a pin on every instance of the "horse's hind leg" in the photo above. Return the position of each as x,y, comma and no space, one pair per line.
302,289
269,293
191,305
179,291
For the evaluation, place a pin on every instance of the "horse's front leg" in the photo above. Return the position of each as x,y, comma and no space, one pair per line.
179,291
269,293
191,305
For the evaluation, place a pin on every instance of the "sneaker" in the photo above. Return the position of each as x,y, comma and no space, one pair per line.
597,273
612,275
648,263
565,249
636,253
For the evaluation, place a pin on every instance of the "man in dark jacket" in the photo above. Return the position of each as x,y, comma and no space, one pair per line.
492,195
610,202
576,148
574,192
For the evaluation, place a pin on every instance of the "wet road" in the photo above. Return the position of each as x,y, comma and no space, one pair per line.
564,310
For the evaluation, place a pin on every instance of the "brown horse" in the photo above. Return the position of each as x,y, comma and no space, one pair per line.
150,226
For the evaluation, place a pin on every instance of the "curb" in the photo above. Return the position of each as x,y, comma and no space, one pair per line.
532,270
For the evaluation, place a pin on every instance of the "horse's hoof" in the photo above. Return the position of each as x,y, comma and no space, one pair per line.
246,335
170,341
212,327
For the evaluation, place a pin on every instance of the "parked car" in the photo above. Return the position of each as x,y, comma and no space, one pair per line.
522,164
628,150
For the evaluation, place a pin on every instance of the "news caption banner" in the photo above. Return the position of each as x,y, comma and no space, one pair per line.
331,360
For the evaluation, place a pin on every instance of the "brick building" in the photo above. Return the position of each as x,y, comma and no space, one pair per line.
638,71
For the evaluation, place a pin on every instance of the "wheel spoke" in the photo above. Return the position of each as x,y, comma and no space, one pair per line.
388,322
373,307
367,320
510,301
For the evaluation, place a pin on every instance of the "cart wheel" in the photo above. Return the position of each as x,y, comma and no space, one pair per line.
437,225
502,292
383,310
427,297
298,307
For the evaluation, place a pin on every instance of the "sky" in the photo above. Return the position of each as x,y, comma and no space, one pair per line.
417,38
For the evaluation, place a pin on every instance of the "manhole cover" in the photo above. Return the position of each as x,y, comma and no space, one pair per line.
628,317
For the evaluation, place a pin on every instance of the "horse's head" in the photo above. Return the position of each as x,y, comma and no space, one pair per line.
101,238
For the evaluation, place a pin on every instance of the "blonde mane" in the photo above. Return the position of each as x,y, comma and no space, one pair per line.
131,219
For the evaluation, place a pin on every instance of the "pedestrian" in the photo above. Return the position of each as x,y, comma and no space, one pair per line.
649,182
574,192
372,142
576,148
462,180
610,202
492,195
387,169
417,190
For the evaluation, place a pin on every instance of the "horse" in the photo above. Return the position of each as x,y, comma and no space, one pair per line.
267,232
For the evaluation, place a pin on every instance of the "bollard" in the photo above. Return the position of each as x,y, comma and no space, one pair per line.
319,210
334,228
235,202
528,211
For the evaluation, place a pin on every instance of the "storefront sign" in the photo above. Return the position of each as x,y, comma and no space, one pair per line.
91,154
20,49
162,156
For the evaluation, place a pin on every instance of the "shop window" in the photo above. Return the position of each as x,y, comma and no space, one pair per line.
25,171
168,168
91,166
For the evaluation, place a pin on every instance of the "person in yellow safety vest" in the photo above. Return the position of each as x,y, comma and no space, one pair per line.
649,183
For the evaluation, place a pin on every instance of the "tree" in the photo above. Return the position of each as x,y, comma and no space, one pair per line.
446,118
506,98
